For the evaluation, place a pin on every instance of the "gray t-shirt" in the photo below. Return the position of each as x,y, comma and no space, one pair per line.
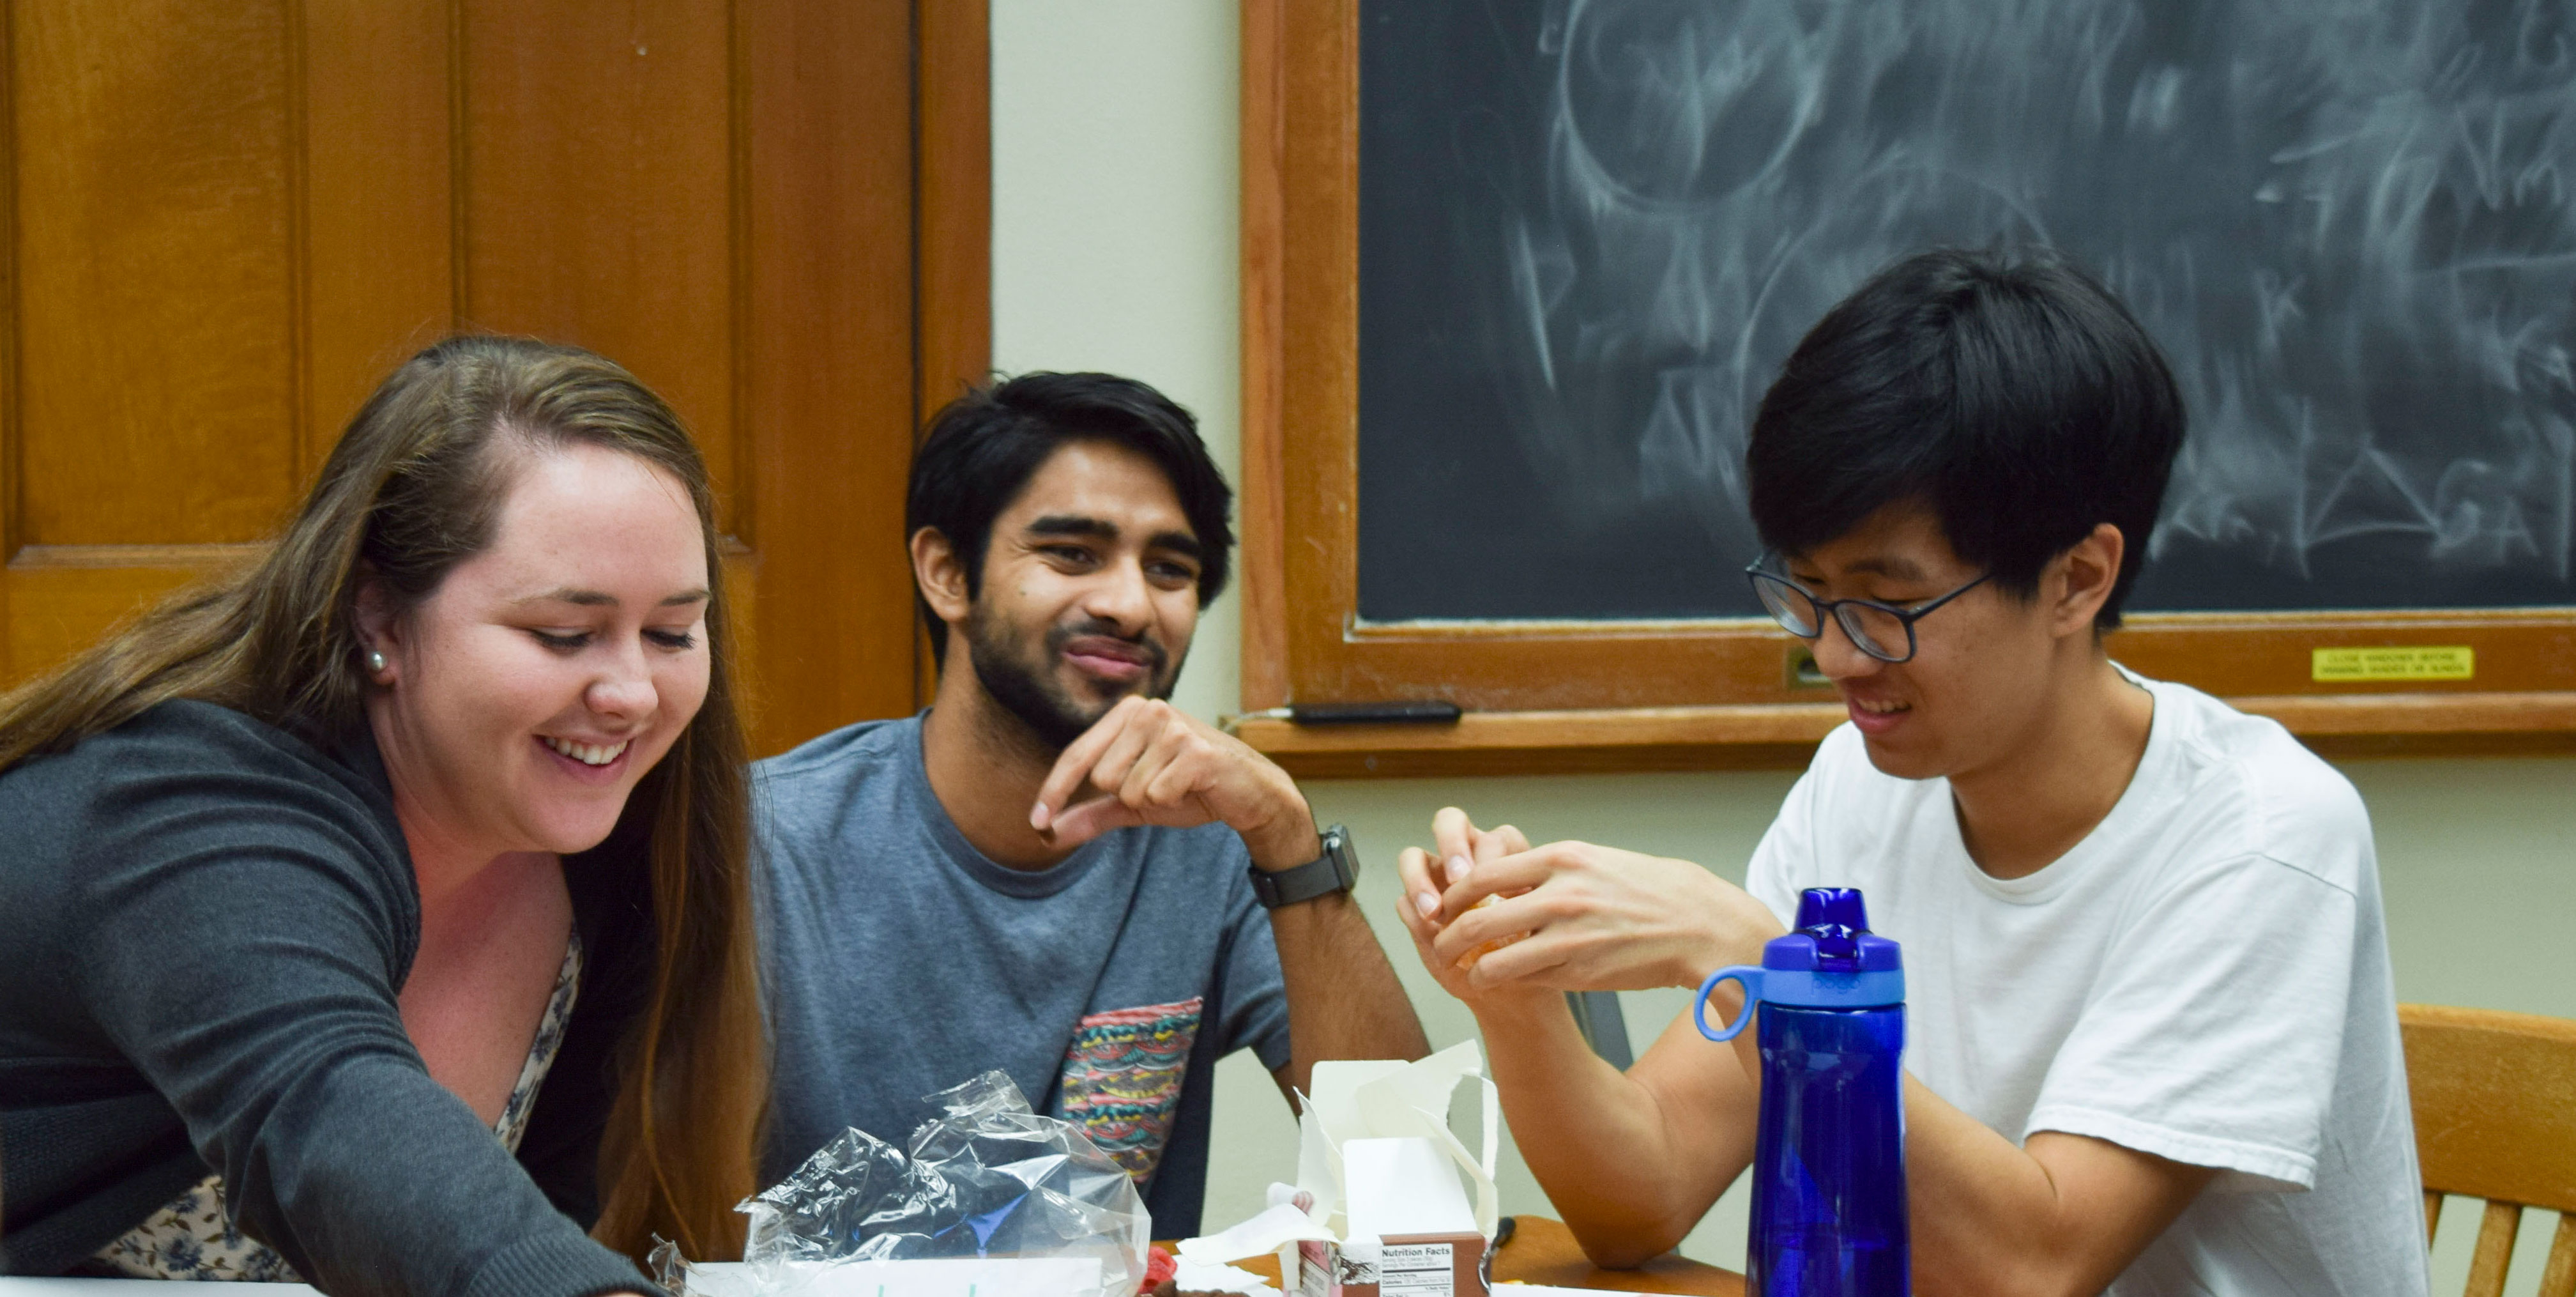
900,961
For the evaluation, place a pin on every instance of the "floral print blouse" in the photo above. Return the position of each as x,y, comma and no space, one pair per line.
194,1237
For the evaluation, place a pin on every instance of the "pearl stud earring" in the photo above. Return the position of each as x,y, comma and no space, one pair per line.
375,661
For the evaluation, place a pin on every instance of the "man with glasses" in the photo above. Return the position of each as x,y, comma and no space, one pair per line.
2152,1040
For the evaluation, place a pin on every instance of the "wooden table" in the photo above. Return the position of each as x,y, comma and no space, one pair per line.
1543,1251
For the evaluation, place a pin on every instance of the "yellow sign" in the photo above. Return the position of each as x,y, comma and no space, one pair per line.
2395,662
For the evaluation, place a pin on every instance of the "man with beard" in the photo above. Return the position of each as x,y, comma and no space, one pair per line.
1053,871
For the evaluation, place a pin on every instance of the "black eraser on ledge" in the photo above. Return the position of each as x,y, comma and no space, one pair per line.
1417,712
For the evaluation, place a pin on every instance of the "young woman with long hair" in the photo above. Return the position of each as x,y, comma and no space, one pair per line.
378,914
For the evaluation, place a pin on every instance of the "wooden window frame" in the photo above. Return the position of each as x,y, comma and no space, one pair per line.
1551,696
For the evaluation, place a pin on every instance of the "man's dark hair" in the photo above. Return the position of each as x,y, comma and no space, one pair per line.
2009,393
983,448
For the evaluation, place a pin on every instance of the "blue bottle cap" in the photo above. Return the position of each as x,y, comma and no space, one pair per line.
1833,936
1841,907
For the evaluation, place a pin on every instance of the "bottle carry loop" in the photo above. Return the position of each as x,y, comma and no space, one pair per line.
1751,977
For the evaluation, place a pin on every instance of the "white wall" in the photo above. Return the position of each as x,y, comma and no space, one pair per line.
1115,248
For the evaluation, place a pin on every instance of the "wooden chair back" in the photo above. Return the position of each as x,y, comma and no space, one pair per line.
2495,1118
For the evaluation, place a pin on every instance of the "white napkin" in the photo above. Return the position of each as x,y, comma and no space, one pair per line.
1190,1276
1259,1236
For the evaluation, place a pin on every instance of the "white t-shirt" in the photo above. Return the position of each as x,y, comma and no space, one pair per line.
2204,977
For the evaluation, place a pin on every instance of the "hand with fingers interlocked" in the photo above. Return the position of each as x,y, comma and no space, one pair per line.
1492,915
1148,762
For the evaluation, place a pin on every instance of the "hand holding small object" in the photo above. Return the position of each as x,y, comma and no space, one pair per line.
1148,762
1422,907
1572,916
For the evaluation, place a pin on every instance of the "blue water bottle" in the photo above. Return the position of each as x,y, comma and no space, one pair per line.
1829,1155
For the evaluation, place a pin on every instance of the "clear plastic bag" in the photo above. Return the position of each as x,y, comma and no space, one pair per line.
987,1178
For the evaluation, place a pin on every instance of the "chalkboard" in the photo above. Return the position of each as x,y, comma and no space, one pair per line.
1589,233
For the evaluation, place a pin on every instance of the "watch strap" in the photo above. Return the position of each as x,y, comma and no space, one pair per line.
1335,871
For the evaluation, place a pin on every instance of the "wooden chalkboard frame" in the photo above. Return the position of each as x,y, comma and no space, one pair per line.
1557,696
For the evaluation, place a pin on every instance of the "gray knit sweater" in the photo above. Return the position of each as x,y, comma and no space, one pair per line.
203,925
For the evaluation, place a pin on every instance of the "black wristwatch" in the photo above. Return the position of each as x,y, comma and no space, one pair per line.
1335,871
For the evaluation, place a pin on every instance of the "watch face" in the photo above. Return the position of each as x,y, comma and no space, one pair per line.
1346,862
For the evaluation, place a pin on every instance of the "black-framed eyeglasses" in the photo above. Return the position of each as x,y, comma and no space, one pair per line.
1882,630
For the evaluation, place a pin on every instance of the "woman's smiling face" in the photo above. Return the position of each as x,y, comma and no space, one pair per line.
526,695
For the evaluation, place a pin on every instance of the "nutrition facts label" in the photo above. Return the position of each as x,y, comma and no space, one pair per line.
1417,1270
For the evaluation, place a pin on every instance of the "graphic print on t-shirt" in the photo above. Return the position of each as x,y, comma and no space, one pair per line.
1122,1079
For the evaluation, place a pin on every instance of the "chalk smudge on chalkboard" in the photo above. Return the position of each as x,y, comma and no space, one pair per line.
2352,227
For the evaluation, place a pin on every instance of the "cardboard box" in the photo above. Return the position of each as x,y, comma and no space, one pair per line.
1401,1265
1379,1209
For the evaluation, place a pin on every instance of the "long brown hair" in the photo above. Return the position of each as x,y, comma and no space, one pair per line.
413,488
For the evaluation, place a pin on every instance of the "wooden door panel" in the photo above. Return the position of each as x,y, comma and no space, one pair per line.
835,190
224,224
379,270
62,596
154,272
598,208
